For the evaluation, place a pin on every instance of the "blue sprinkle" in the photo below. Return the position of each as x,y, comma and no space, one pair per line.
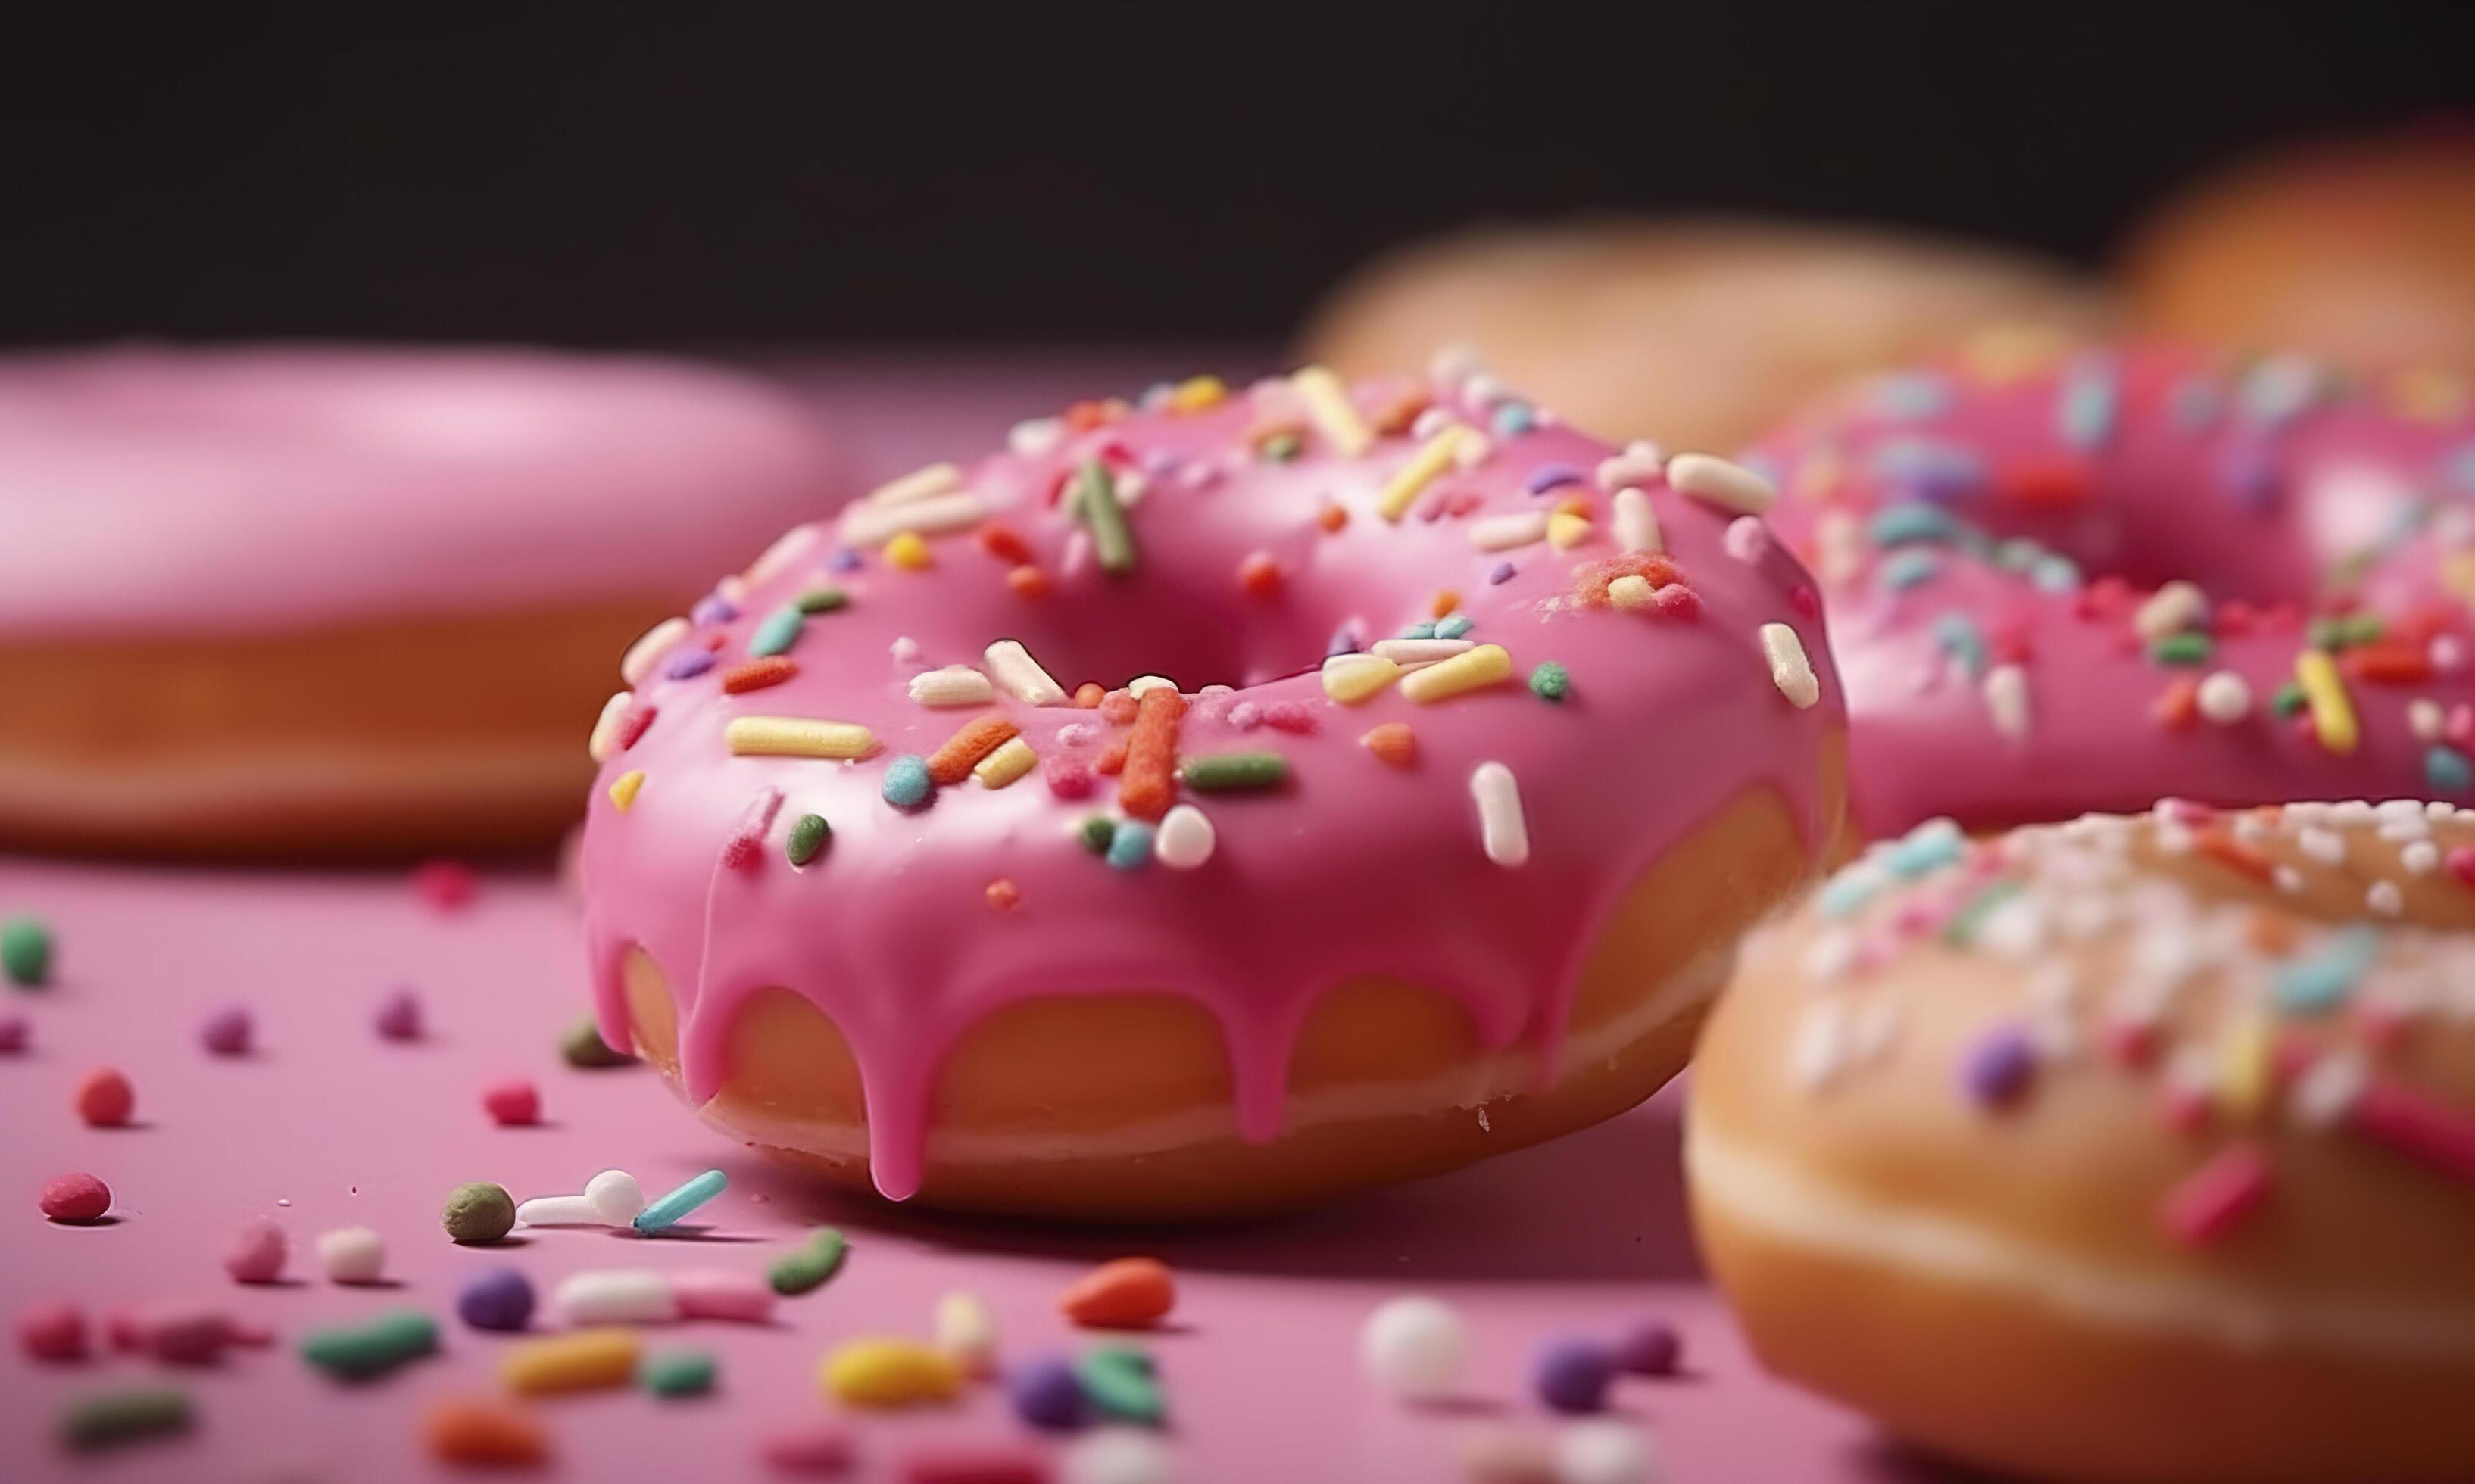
2447,770
1997,1067
665,1213
1553,476
2054,573
2325,977
1419,631
906,781
711,609
1913,520
1501,574
1130,848
1912,395
1961,639
689,664
1514,418
2084,416
1847,891
1344,641
1908,567
2247,471
1454,626
777,633
844,559
1929,846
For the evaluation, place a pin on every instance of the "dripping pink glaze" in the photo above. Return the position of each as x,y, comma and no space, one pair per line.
1351,868
2159,504
147,489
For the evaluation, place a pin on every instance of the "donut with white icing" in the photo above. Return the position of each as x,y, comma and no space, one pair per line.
1485,741
289,599
2090,580
2133,1149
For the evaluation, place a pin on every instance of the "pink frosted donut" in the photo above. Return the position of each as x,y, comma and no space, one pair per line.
292,597
2135,572
1487,742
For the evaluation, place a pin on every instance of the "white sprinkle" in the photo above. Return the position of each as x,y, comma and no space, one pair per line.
870,525
352,1254
1630,591
1419,651
2289,880
954,685
2006,700
2326,846
605,727
2425,718
1471,450
1601,1450
2170,610
787,547
1819,1048
1186,839
1504,532
2224,698
1831,954
557,1212
616,1296
1503,832
1746,538
904,649
2448,653
1019,675
1640,463
2385,899
2329,1089
615,1197
967,1332
1839,544
2420,857
1142,684
1715,482
1116,1455
1790,670
1453,363
638,662
730,589
1637,525
1033,437
1415,1348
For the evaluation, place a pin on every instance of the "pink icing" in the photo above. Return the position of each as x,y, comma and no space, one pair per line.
148,489
2285,493
1350,867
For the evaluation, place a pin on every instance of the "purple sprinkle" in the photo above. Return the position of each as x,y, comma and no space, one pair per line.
689,664
14,1033
1997,1067
496,1299
1045,1393
2249,474
229,1031
1553,476
1342,642
1573,1375
1651,1348
398,1017
844,559
712,609
1501,574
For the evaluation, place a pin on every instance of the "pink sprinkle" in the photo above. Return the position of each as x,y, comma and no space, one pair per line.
257,1252
227,1032
513,1104
2418,1127
2127,1040
985,1463
2215,1198
445,884
746,843
632,725
2459,728
77,1200
182,1335
813,1448
2186,1110
15,1031
2462,863
1806,602
51,1331
1289,717
1676,601
745,1298
1067,778
398,1017
1245,716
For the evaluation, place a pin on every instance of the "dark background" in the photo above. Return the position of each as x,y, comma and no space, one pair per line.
719,173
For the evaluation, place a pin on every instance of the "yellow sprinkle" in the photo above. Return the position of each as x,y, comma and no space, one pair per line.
2333,713
1010,762
918,484
585,1360
1629,592
2244,1066
622,789
1566,530
1351,678
1194,394
885,1373
798,737
908,550
1328,402
1425,467
1484,665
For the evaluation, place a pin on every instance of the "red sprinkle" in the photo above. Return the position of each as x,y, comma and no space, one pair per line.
51,1331
632,725
1067,778
2388,664
1259,575
999,541
76,1200
1003,894
2462,863
1149,785
2215,1198
2418,1126
513,1104
755,676
813,1447
445,884
746,845
1027,581
105,1099
952,763
2179,708
993,1463
1112,760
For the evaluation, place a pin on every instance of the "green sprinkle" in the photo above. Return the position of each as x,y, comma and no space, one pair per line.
808,1265
2287,700
1223,772
808,836
2182,649
125,1414
2361,628
358,1353
479,1213
1962,928
1097,831
779,631
1095,499
26,951
1120,1382
1281,448
2323,634
1550,681
824,599
677,1372
583,1047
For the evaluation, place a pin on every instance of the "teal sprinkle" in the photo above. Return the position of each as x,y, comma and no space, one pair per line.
2053,572
1929,847
906,781
1418,631
1907,568
2182,649
1130,846
1960,639
2447,770
1514,418
2325,977
1847,891
1550,681
2085,417
1455,626
668,1211
779,632
1913,520
2274,390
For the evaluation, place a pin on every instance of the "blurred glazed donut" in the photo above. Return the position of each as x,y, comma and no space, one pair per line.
2126,1150
2360,250
1696,331
294,600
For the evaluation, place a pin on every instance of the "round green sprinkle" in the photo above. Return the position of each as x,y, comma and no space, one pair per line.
357,1352
1550,681
1221,772
1120,1382
1098,829
26,951
583,1047
820,599
1281,448
808,1265
677,1372
808,836
2287,700
479,1213
2182,649
125,1414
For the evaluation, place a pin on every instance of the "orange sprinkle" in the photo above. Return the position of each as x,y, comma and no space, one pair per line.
460,1431
2228,851
1003,894
1445,602
757,674
977,737
1396,412
1000,542
2060,484
1392,743
1027,581
1084,416
2388,664
1112,758
1088,695
1149,785
1117,706
1574,504
1333,517
1260,575
2178,707
1131,1293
